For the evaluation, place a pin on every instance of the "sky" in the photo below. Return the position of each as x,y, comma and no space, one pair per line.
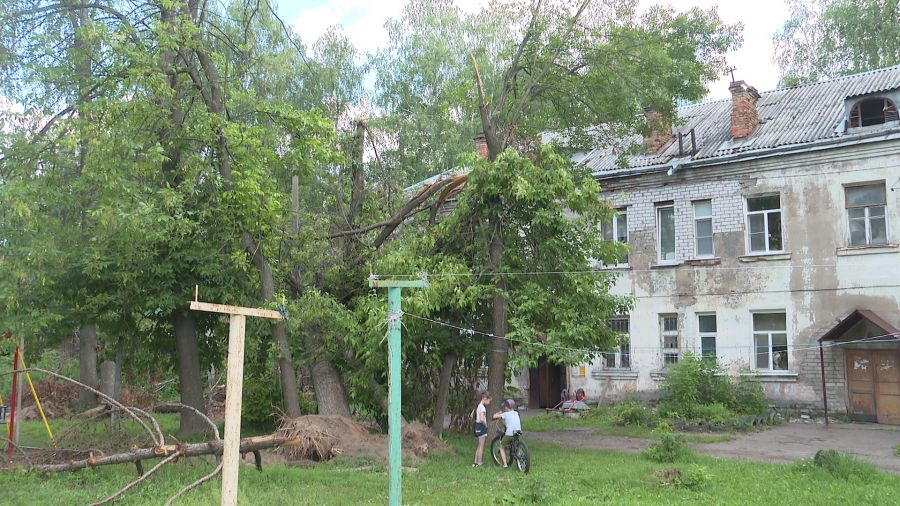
363,21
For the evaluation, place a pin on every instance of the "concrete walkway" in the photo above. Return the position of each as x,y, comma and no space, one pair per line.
783,443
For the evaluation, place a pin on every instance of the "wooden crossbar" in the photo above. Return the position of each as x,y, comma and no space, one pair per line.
245,311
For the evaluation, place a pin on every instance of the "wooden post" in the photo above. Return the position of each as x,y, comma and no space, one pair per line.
19,388
233,389
824,391
395,352
13,438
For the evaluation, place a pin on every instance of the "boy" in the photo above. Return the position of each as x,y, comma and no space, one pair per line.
513,425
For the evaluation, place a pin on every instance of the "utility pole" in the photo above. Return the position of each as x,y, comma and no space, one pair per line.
394,321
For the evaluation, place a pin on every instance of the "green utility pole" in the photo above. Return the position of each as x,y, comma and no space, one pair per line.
394,354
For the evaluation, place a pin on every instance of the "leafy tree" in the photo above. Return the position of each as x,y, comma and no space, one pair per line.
830,38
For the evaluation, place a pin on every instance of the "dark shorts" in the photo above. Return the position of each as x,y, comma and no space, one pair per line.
481,430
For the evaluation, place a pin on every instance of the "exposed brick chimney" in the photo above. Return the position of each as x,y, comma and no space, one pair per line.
660,131
744,116
481,146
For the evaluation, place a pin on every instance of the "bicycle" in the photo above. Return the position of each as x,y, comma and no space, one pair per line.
517,451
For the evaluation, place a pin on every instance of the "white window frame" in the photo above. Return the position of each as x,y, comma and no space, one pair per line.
618,362
663,334
702,334
765,214
768,334
867,217
614,227
697,221
659,251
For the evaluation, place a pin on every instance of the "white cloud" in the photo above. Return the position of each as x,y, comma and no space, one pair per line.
363,21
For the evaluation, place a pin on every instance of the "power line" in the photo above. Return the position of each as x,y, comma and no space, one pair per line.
885,338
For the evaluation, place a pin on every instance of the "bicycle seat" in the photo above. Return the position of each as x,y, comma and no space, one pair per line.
517,433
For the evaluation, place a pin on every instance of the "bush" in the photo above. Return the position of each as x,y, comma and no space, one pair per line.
670,447
694,478
844,465
714,413
632,412
694,382
749,398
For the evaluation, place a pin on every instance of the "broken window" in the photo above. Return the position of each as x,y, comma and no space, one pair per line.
668,325
621,358
770,341
873,111
865,214
703,229
764,224
665,224
707,325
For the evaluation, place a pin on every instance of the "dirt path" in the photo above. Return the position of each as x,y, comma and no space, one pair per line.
782,443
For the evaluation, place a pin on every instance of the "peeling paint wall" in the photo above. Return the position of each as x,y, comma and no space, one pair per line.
816,282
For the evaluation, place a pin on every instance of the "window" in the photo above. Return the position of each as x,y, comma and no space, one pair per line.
616,229
873,111
865,214
668,326
770,341
621,358
764,224
707,325
703,230
665,225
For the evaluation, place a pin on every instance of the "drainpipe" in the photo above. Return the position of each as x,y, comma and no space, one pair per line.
824,392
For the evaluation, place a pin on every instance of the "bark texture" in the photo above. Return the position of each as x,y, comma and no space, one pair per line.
87,361
189,376
330,395
443,393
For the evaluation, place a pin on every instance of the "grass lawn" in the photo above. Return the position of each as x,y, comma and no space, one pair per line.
600,419
558,476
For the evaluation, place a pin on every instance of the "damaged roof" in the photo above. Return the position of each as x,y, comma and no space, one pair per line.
794,116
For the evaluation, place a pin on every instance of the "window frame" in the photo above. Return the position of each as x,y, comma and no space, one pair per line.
622,349
765,215
867,218
697,221
713,335
770,352
855,118
665,351
659,206
614,229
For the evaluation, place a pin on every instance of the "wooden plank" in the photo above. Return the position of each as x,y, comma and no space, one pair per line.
235,310
233,390
393,283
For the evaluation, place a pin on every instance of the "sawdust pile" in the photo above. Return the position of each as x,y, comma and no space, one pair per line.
325,437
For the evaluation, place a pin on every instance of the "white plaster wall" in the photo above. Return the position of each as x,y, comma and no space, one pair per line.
816,285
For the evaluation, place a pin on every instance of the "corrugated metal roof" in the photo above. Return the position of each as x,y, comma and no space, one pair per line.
789,116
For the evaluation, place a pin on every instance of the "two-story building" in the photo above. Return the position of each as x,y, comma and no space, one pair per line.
763,231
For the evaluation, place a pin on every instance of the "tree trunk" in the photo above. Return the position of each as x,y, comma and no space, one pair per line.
330,396
87,361
285,359
499,346
443,394
189,374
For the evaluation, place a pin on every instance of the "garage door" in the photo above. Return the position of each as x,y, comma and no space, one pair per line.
873,384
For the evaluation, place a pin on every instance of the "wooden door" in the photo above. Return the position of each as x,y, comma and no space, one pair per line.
887,386
861,385
544,384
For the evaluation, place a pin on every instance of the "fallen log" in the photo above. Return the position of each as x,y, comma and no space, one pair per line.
249,444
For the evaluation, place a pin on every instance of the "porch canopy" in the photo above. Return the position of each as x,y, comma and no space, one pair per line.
859,328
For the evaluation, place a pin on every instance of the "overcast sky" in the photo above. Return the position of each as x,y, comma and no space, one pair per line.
363,21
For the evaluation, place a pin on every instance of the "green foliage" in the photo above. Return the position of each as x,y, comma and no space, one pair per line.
844,466
897,450
669,448
633,412
532,491
697,388
831,38
695,477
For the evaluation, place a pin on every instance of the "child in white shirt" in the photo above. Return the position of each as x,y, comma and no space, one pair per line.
513,425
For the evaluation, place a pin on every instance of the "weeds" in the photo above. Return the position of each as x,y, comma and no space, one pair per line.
670,448
843,465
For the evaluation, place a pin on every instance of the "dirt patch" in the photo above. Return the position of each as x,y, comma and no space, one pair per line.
323,438
783,443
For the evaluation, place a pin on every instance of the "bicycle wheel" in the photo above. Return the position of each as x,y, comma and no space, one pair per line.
495,449
522,457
